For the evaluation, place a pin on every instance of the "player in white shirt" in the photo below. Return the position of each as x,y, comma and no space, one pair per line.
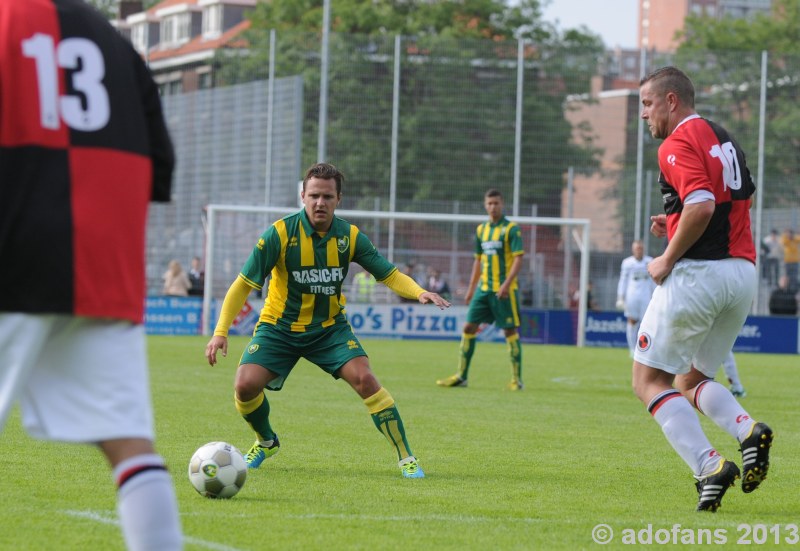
634,290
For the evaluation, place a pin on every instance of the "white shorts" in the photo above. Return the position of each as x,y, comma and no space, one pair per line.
695,315
76,379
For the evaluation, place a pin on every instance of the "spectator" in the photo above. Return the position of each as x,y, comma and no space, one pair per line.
772,257
437,284
196,278
791,256
591,303
176,282
574,298
783,300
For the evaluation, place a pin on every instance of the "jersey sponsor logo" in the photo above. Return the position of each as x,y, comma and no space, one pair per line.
319,275
644,341
491,247
328,290
342,244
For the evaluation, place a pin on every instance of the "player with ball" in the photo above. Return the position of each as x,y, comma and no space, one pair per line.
306,256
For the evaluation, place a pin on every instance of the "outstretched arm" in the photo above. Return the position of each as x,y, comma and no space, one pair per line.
406,287
231,306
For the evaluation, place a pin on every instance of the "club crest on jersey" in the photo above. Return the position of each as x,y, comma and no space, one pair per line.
252,349
343,243
643,343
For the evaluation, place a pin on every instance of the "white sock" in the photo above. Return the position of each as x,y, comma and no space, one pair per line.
731,372
682,428
719,405
146,504
632,334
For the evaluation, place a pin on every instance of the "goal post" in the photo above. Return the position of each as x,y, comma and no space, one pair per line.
439,241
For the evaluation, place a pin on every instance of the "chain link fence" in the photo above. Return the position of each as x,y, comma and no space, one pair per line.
428,125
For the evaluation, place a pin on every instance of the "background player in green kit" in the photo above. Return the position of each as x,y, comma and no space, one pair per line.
498,260
308,255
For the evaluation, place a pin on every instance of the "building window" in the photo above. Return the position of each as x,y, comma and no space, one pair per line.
168,31
176,29
184,23
204,81
212,21
174,87
139,37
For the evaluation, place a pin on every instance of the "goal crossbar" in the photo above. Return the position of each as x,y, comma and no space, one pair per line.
213,210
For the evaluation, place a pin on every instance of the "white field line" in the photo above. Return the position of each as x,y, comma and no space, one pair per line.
421,518
107,518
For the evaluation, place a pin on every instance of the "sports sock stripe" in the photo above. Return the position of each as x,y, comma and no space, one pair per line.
697,391
662,399
128,474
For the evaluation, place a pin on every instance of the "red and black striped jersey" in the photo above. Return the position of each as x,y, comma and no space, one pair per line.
700,155
83,149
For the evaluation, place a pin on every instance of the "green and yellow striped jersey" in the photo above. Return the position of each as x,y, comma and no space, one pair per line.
307,271
496,245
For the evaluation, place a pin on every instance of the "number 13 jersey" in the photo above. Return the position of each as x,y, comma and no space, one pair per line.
83,149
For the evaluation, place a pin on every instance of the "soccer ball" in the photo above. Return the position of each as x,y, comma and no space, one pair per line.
217,470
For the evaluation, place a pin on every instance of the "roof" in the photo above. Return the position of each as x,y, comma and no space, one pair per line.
169,3
197,44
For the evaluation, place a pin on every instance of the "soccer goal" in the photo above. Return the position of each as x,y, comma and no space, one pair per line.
555,272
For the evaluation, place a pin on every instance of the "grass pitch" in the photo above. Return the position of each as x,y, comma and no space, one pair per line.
537,469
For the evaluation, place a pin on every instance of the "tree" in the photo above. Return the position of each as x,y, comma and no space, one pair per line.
724,59
106,7
458,92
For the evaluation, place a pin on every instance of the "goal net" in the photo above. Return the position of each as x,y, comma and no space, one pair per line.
554,277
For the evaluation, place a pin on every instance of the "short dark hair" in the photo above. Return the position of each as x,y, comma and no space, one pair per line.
671,79
324,171
493,193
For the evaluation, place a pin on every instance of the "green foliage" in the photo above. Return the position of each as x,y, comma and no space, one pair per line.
724,59
531,470
464,19
106,7
457,93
